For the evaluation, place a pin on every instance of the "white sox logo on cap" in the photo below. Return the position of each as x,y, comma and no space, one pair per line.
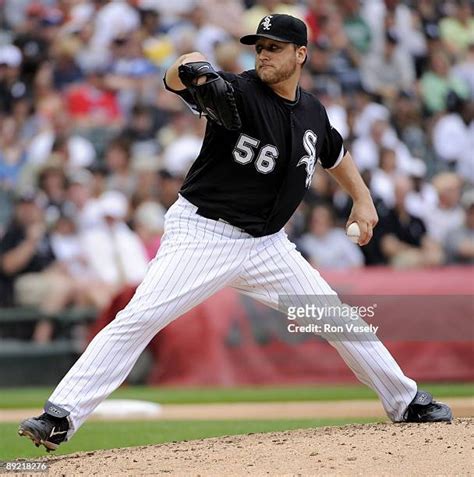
267,22
279,27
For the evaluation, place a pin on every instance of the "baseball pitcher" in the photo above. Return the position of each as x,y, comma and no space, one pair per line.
264,137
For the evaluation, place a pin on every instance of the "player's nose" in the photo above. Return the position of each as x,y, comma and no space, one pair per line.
263,55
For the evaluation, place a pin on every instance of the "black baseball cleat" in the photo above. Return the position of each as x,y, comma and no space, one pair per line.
424,409
50,429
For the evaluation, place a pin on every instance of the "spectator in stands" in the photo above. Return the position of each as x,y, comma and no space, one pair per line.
181,152
52,184
80,29
320,67
375,13
407,121
145,168
453,136
29,273
332,100
112,20
262,8
382,184
356,28
25,117
228,56
327,246
314,14
322,188
98,179
167,104
140,130
120,175
343,59
130,74
51,21
31,39
390,71
399,238
92,104
68,249
460,242
171,12
58,138
148,223
66,71
168,187
82,203
48,101
13,156
457,29
423,197
149,20
205,35
113,251
226,14
430,14
366,150
12,87
436,83
407,24
464,70
448,214
368,111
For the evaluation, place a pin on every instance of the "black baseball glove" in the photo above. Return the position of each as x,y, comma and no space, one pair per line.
214,98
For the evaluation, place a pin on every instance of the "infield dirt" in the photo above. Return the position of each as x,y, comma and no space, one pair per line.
369,449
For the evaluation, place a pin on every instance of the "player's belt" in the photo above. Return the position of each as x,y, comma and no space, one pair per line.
210,214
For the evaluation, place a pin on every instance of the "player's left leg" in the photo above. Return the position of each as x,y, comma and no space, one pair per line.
276,271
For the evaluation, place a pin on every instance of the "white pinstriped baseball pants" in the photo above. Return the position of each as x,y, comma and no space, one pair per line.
198,257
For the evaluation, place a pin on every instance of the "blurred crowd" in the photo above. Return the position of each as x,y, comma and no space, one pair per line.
93,150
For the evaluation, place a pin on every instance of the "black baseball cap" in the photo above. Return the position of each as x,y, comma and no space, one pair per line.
279,27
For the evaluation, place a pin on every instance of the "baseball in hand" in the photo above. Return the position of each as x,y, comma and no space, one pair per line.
353,232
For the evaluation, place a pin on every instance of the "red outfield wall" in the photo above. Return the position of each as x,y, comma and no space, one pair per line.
425,319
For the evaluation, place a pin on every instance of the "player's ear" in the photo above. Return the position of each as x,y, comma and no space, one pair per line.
301,53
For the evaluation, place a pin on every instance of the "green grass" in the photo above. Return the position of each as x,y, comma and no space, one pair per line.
21,398
105,435
108,435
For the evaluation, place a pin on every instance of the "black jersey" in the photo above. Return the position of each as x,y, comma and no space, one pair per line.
255,178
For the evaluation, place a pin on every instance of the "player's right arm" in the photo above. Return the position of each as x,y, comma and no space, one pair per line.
363,210
172,76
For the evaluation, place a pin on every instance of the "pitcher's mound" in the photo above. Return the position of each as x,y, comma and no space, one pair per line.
369,449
